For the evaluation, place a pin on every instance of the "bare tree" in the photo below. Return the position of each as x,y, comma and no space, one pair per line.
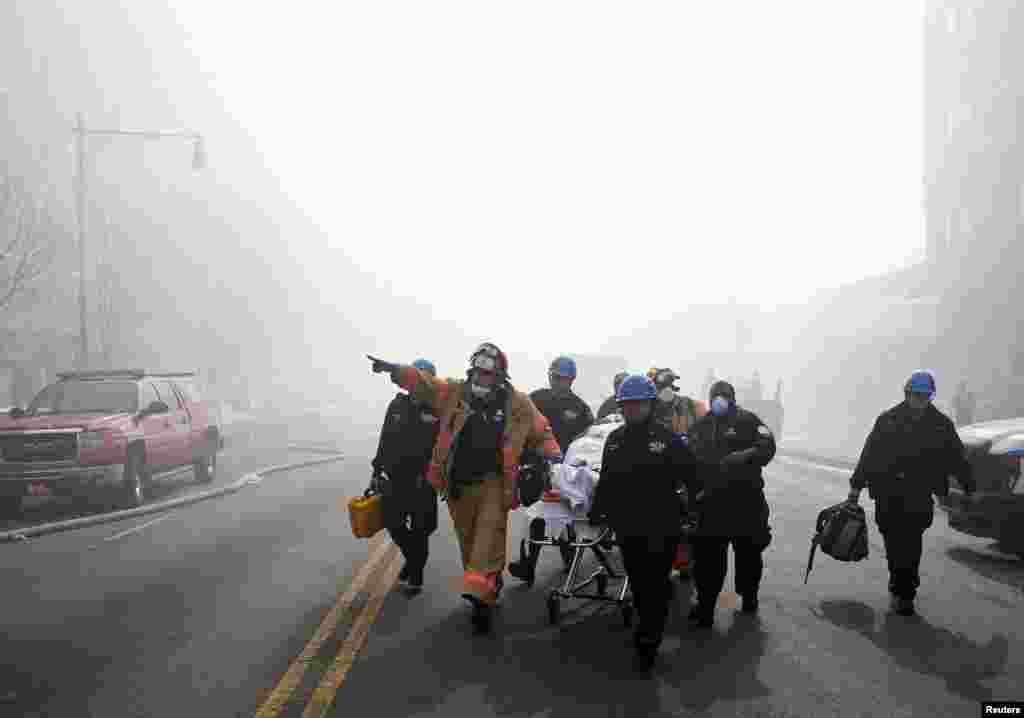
28,241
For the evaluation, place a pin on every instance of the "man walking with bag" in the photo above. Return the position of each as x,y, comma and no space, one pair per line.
908,456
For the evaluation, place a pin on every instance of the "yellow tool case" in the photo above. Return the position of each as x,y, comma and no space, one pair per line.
366,514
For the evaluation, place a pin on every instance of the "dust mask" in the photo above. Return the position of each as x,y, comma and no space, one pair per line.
720,406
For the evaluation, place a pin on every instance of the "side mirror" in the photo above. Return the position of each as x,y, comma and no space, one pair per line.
16,412
156,407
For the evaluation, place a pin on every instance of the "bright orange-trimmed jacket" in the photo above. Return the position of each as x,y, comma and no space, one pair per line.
525,426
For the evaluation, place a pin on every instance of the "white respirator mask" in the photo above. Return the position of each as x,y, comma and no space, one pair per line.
480,392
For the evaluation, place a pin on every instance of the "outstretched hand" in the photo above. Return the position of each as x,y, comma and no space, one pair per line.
379,365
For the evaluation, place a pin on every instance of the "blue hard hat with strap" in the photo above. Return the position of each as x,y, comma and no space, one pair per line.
636,388
921,382
425,365
564,367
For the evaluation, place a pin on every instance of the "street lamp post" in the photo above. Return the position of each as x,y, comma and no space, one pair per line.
81,132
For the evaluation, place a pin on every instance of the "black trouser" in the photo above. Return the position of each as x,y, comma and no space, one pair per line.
413,540
903,545
410,515
711,560
903,533
648,563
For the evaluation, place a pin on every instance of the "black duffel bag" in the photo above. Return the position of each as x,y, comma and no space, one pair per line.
842,532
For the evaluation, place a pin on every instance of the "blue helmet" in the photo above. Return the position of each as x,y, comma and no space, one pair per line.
636,388
563,367
921,382
425,366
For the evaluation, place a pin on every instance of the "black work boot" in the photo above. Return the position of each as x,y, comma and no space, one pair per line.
644,658
702,617
750,603
481,617
414,581
522,570
903,606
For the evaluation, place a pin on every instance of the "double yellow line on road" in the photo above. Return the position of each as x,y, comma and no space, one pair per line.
377,577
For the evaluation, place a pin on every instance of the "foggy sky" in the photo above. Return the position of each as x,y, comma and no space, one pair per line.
408,180
550,152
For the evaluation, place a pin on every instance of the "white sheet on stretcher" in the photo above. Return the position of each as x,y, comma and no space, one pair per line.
576,485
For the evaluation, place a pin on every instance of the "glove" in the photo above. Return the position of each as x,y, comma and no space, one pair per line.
378,481
379,365
736,458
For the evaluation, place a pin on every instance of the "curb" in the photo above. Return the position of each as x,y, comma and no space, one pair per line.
19,535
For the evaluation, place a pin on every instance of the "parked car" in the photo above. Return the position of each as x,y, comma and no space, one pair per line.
106,430
996,452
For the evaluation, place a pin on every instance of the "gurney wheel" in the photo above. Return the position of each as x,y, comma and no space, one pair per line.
602,583
554,609
627,615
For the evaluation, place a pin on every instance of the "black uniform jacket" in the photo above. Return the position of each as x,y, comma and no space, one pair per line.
609,406
905,461
642,468
403,453
569,415
733,502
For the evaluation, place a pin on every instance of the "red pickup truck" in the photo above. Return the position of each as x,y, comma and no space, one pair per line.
97,430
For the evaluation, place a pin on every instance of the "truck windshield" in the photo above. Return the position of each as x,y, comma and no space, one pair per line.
86,397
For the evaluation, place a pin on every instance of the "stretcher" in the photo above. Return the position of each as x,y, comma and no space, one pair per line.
564,508
576,539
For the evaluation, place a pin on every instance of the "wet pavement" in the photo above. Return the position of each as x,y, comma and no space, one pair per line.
203,610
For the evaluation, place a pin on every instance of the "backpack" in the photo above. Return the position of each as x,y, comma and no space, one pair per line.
842,532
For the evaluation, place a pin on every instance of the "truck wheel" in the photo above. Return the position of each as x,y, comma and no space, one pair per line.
205,468
132,488
10,507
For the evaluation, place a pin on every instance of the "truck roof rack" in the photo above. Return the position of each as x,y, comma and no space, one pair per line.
120,373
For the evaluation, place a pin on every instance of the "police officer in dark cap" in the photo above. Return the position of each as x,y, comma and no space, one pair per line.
908,456
731,446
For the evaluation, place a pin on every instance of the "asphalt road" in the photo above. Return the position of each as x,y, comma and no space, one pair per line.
828,648
199,610
204,611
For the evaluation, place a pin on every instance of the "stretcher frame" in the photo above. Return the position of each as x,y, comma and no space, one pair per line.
572,587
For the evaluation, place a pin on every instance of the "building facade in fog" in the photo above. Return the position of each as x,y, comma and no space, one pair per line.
974,176
974,191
